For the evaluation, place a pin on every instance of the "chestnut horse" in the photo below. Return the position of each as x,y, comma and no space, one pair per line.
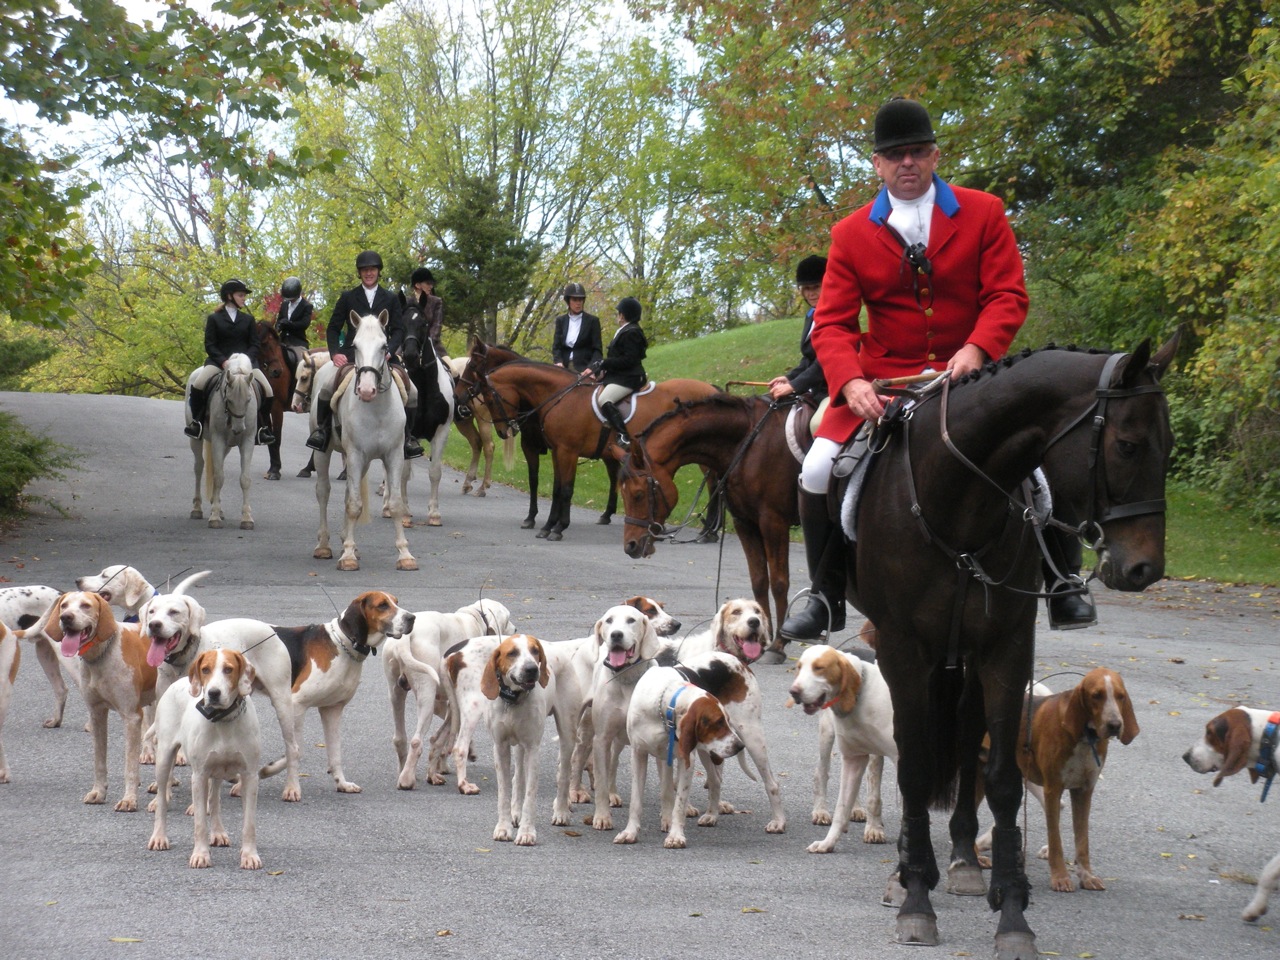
742,441
272,360
551,408
946,567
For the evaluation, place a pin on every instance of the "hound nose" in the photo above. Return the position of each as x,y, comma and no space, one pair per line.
213,694
616,636
1113,728
754,623
529,673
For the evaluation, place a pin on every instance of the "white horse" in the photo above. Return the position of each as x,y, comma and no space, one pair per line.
233,420
368,422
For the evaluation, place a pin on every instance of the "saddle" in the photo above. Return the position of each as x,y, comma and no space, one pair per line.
625,407
802,421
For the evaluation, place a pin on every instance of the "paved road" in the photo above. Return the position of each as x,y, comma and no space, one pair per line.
396,874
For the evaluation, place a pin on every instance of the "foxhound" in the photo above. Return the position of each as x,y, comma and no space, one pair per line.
1242,738
1065,750
122,586
414,661
213,720
114,675
514,685
669,718
175,624
327,662
20,607
855,709
626,646
740,628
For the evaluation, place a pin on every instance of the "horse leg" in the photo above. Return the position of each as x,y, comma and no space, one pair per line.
757,567
246,480
197,505
216,460
565,467
487,447
775,532
435,470
531,458
354,505
396,465
1004,682
611,506
472,435
273,452
322,551
964,873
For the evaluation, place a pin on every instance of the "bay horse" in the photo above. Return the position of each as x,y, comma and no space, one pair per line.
280,373
741,440
946,567
304,376
233,421
369,422
551,408
434,412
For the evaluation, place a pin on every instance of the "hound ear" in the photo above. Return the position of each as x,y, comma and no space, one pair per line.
544,673
687,742
247,675
1076,716
353,623
193,675
650,642
1239,744
195,622
106,619
137,590
489,676
850,686
598,630
1129,730
53,627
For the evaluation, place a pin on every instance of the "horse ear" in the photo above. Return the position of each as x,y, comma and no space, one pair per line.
1164,356
384,318
1136,365
354,318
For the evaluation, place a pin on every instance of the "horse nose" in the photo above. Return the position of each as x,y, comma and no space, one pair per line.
632,549
1143,574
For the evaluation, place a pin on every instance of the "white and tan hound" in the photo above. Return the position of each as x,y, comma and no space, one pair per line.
212,719
20,607
514,684
855,712
1242,738
669,719
114,675
740,628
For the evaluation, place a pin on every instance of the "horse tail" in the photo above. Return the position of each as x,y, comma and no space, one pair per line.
364,499
509,452
947,700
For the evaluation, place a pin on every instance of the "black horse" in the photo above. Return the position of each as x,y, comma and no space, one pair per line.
947,568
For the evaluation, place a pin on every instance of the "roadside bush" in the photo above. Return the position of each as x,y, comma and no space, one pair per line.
23,457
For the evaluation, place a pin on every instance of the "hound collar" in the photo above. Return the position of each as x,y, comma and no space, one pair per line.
1265,768
506,694
669,721
357,651
218,714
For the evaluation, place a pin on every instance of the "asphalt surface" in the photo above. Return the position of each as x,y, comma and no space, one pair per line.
390,873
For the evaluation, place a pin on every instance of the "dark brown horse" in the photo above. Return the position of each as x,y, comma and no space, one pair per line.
946,566
742,441
551,408
271,357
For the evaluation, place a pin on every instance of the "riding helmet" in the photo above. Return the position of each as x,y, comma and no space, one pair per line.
421,275
291,289
230,287
901,122
629,307
368,258
574,290
810,270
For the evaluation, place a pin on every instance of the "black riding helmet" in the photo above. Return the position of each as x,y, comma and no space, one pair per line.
291,289
368,258
230,287
574,290
421,275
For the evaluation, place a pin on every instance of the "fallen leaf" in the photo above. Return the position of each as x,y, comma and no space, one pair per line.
444,933
752,910
274,873
1191,916
484,850
125,939
572,833
695,914
50,903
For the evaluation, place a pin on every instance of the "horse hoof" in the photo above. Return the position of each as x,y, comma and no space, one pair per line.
895,894
271,475
246,524
386,513
215,524
526,525
322,553
554,535
348,566
1016,945
434,522
917,929
304,474
965,880
543,534
773,656
406,522
410,564
197,515
605,520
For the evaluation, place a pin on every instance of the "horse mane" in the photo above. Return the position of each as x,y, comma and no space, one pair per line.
685,407
992,367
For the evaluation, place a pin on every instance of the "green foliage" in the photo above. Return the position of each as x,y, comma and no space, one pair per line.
24,456
18,353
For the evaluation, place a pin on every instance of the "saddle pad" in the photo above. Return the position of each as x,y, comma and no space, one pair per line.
854,459
627,407
345,379
801,424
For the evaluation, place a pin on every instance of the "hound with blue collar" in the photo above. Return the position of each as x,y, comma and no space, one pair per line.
669,719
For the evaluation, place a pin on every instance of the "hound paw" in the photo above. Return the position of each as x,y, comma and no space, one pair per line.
820,846
602,821
674,842
873,835
776,826
527,838
627,836
249,860
346,786
127,805
219,838
708,819
857,815
199,860
96,795
291,793
502,833
467,788
158,842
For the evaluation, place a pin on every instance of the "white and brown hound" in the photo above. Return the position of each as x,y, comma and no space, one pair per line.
1242,738
20,607
669,719
212,719
856,712
514,685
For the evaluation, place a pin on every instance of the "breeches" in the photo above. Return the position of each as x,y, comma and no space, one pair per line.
614,393
815,474
200,379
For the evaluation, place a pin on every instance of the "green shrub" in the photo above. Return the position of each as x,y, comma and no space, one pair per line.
23,457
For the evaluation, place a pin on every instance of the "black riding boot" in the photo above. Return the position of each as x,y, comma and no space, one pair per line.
824,553
412,448
266,436
1067,610
614,416
198,403
319,439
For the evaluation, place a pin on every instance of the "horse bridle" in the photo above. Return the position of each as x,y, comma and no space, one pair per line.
383,367
309,361
484,391
231,414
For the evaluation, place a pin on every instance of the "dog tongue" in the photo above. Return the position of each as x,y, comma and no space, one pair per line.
159,649
71,642
617,658
753,649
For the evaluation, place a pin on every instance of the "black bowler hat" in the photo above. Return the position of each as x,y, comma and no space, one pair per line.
901,122
811,270
629,307
422,275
